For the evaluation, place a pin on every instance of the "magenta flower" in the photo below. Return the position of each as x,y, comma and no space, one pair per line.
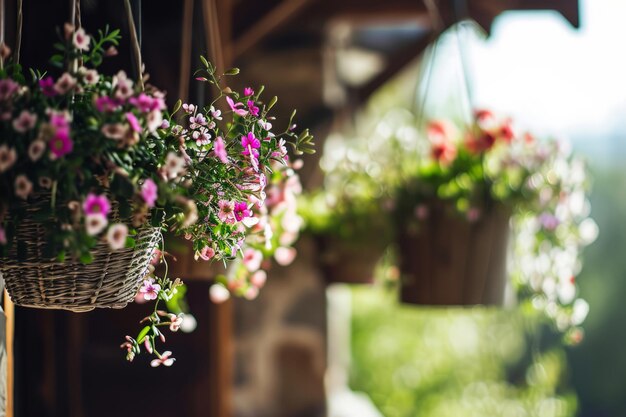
220,149
144,103
241,211
47,86
106,104
150,289
248,91
96,204
134,123
164,360
250,145
61,144
149,192
236,107
254,110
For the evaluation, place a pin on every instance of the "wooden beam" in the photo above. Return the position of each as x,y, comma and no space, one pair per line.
269,23
397,62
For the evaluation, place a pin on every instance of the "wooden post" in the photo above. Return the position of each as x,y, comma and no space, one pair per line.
9,312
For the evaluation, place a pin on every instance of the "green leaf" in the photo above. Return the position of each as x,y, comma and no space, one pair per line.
272,102
142,334
177,106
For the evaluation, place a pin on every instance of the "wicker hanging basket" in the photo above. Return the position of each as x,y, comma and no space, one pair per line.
110,281
349,262
451,261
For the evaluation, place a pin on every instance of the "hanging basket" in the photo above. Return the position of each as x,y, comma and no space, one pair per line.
348,262
110,281
451,261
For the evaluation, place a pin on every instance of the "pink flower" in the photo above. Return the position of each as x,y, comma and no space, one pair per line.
144,103
189,108
9,87
36,150
95,223
65,83
61,144
258,278
47,86
81,40
251,293
3,236
116,236
25,121
112,51
149,192
226,213
218,293
23,186
284,256
254,110
207,253
164,360
59,119
96,204
134,123
220,149
549,221
248,91
217,114
422,211
176,321
8,156
202,137
113,131
197,121
123,86
237,108
250,145
241,211
252,259
150,289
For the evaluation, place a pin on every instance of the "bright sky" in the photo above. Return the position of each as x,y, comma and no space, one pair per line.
550,77
553,77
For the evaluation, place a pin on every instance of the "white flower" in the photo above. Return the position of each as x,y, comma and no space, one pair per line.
8,156
218,293
23,186
36,150
116,236
579,311
154,119
95,223
174,165
284,256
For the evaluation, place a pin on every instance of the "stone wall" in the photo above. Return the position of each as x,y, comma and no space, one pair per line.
280,347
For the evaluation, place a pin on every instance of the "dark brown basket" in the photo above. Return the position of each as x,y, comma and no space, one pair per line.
110,281
451,261
349,262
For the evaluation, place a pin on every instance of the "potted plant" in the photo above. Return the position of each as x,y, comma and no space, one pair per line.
93,167
456,206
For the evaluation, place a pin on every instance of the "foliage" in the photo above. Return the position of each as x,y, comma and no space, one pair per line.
420,362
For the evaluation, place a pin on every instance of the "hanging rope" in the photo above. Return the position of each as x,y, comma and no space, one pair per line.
136,48
18,32
214,41
2,45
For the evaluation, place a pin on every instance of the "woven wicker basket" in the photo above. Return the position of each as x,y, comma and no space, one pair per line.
110,281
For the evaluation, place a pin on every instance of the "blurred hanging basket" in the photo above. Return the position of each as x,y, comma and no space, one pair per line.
111,280
349,262
452,261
